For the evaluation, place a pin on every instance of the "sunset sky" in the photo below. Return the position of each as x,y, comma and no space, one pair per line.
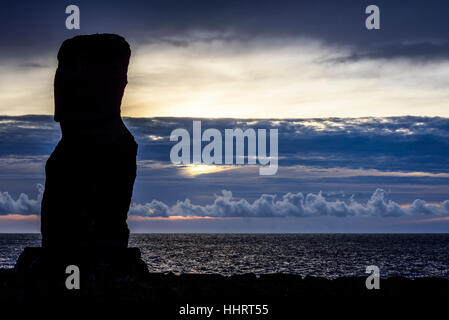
294,59
361,113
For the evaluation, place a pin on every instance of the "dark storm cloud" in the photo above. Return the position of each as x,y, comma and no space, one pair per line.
388,144
394,145
31,65
37,27
28,135
399,143
418,51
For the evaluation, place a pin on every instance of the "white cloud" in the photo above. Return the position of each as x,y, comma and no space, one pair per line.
224,205
23,204
291,205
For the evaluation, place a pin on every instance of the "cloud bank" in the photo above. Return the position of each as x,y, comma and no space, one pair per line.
22,205
267,205
404,144
291,205
407,155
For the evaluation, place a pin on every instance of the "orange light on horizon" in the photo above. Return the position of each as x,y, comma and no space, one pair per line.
19,217
36,217
438,219
178,218
408,205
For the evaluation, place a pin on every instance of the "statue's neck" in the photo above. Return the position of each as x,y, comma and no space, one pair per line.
111,128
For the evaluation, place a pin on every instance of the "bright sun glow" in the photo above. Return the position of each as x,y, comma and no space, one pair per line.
197,169
256,79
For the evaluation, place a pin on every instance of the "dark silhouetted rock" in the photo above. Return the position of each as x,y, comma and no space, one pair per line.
285,294
90,174
100,270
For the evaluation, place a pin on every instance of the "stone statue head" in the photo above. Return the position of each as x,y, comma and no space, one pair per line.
91,78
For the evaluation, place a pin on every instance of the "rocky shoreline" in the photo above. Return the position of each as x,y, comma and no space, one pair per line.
209,288
190,296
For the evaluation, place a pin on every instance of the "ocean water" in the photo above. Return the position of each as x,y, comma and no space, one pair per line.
326,255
